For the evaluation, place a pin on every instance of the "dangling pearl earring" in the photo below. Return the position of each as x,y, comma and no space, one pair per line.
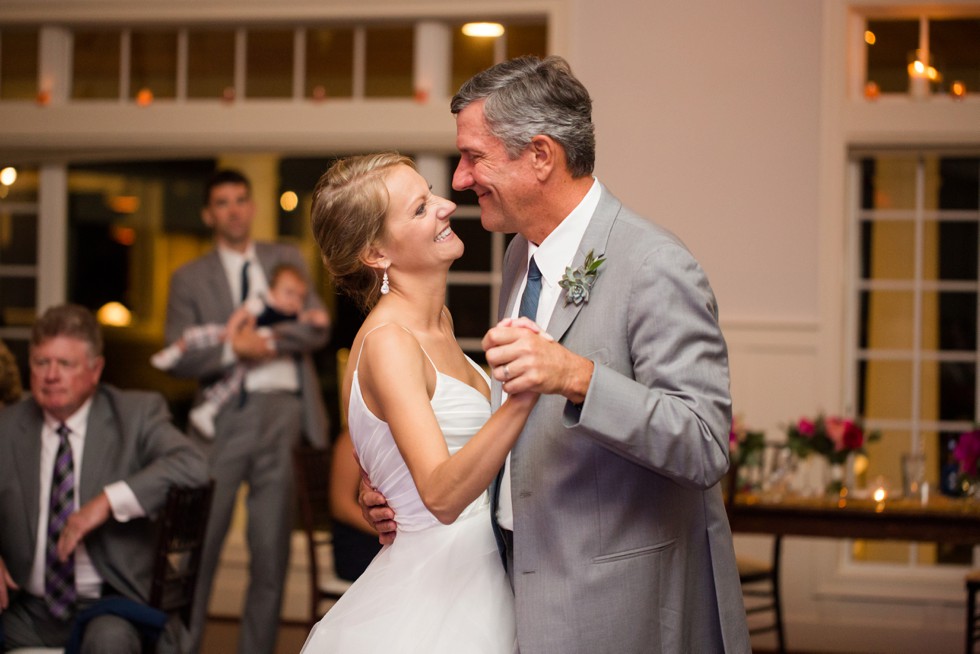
384,283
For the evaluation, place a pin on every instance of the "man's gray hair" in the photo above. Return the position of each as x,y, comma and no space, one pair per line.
527,96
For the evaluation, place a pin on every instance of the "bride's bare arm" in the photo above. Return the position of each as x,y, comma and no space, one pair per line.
392,373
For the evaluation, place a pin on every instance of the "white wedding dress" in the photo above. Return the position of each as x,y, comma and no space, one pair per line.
438,589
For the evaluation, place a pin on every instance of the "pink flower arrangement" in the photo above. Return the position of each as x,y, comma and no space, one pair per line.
833,437
967,452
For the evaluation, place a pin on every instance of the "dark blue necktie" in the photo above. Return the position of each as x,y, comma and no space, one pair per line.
59,576
532,292
245,280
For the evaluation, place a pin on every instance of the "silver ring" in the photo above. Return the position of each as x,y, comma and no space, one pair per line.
506,372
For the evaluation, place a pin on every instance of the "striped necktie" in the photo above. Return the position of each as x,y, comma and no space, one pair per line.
59,576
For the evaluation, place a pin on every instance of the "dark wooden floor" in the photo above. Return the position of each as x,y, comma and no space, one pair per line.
221,637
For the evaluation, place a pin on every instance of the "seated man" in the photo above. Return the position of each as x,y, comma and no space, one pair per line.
81,466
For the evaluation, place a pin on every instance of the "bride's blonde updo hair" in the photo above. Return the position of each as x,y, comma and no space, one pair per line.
348,214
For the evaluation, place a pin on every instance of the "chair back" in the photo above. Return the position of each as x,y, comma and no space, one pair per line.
311,467
178,558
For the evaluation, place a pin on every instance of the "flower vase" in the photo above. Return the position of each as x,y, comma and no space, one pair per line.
835,479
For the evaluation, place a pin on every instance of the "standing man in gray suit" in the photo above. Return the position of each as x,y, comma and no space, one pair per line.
609,510
81,466
280,401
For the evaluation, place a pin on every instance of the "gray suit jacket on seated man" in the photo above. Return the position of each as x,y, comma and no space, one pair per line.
127,454
255,435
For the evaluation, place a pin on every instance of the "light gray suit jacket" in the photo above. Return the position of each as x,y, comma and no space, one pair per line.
199,294
129,438
622,543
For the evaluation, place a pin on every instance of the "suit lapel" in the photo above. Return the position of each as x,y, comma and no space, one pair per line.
101,438
595,238
218,283
27,448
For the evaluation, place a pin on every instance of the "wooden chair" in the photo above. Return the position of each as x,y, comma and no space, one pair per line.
183,526
759,579
312,470
972,618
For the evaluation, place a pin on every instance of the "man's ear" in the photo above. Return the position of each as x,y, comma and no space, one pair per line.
545,153
206,217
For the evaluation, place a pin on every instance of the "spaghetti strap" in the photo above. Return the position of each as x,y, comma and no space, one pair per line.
364,339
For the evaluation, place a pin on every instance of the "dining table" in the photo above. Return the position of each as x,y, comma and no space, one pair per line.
939,519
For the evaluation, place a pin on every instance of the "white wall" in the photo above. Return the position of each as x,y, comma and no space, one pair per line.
711,126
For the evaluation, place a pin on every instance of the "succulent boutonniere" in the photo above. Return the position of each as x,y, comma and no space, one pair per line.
578,282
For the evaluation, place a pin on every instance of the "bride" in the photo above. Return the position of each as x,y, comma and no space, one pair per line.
419,417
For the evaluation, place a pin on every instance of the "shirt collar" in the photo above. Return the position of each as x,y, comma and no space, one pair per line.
76,422
233,259
558,249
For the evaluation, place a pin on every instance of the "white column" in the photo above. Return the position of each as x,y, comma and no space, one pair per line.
433,60
54,63
435,169
52,236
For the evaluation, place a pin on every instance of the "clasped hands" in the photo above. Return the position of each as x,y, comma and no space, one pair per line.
524,358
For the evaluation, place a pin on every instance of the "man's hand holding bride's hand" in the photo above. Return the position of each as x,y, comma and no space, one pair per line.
526,358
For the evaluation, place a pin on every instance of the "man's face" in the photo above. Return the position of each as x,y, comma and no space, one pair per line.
502,185
229,213
64,374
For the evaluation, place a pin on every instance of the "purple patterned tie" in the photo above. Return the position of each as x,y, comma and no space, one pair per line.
59,576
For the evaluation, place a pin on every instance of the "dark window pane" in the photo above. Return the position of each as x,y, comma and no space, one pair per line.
955,44
888,57
958,250
153,63
96,64
959,182
210,63
18,238
470,306
269,64
329,63
18,297
957,320
476,255
388,70
957,391
18,64
527,39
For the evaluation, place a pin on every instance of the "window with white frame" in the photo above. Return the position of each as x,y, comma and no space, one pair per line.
915,354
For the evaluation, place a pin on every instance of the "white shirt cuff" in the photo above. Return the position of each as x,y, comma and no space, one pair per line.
123,502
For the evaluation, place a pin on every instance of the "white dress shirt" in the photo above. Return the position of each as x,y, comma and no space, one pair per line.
279,373
122,500
552,255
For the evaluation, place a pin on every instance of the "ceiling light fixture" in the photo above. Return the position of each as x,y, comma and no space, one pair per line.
485,30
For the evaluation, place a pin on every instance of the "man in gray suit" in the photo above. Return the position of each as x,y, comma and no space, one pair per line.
609,510
280,400
106,457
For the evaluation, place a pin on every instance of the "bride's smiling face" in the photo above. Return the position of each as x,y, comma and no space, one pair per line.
417,231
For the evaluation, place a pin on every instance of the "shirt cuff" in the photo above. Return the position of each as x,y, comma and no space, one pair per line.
123,502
